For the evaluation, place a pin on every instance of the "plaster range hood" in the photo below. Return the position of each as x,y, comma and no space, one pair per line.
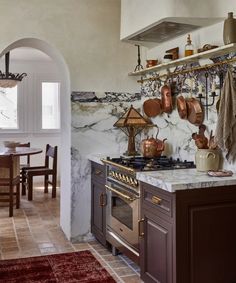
169,28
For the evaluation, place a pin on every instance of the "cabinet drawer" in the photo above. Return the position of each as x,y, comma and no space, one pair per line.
98,172
156,199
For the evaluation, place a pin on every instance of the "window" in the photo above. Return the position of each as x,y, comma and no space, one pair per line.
50,105
8,108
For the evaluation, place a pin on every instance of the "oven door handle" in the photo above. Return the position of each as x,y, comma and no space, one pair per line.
119,193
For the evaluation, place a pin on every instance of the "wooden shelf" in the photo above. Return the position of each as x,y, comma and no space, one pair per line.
222,50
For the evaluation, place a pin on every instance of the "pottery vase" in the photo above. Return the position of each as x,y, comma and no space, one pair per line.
229,32
207,159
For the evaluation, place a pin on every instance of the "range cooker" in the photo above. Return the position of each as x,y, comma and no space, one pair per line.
123,194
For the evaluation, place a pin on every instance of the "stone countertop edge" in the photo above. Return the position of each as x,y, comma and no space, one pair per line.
182,179
98,156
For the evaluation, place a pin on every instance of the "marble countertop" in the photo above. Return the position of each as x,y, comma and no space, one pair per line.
182,179
173,180
97,157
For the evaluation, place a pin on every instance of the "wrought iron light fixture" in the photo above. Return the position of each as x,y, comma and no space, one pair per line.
8,79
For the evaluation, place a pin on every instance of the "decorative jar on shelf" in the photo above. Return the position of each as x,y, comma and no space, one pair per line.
229,32
207,159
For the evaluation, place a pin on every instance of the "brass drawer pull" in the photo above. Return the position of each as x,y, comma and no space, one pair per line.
140,231
98,172
103,199
156,200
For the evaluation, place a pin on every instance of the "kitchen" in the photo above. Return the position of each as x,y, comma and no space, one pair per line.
104,67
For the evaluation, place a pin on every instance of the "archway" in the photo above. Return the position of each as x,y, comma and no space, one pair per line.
65,202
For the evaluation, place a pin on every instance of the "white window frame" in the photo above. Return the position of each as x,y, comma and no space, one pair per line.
29,98
45,78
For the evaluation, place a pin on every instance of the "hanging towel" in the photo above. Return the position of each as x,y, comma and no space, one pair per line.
225,135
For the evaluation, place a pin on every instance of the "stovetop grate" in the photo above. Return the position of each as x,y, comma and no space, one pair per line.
151,164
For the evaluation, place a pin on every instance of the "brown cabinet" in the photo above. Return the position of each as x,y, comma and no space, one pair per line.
189,236
98,202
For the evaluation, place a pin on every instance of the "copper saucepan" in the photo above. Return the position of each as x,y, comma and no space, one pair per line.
182,107
166,99
195,112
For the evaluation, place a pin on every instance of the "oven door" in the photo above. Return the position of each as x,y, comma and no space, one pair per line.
123,214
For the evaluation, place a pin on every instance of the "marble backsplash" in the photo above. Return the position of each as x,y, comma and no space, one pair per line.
93,132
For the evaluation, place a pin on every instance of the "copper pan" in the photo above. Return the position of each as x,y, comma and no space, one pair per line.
166,99
182,107
195,112
152,107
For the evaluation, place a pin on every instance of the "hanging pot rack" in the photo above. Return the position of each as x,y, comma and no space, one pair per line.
205,67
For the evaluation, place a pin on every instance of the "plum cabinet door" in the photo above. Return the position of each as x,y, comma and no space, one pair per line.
98,203
155,249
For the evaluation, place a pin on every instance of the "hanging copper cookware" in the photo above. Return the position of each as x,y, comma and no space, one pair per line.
195,111
152,107
182,107
166,99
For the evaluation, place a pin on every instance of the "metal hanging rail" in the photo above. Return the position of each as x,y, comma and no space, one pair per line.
193,69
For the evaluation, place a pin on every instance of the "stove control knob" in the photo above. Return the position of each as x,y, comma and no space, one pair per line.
111,173
123,178
127,179
131,182
116,175
136,183
120,177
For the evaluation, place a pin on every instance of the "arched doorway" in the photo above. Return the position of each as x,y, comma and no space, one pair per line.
65,207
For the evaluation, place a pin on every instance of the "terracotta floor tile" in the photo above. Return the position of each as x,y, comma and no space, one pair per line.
124,271
132,279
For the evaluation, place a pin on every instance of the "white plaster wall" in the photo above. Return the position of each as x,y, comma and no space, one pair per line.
138,14
86,34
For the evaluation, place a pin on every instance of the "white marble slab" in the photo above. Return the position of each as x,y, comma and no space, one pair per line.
98,157
182,179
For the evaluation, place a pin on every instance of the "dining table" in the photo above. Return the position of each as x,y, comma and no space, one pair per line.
17,152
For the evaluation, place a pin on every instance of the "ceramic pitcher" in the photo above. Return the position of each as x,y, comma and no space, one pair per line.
207,159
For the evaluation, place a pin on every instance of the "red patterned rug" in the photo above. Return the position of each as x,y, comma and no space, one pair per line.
58,268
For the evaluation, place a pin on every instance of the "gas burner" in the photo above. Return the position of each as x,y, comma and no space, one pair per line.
152,164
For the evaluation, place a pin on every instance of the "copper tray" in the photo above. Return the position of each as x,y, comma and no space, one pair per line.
152,107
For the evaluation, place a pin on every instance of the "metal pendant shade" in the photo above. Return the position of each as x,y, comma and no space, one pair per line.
7,79
132,123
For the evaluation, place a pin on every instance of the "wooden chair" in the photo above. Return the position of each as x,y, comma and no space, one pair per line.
25,164
9,180
45,170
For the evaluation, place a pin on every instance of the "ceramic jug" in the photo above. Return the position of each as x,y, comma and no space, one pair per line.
207,159
229,32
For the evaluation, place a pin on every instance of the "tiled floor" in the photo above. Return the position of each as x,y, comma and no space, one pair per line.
34,230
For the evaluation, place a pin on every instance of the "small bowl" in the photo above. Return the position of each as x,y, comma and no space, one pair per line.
11,145
151,63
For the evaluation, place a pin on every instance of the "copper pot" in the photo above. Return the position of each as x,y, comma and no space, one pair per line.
166,99
195,112
182,107
152,147
151,63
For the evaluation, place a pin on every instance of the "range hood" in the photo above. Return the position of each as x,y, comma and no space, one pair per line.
169,28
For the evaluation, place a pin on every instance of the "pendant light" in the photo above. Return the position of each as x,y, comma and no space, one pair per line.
8,79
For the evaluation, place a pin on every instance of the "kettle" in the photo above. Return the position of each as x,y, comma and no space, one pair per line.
152,147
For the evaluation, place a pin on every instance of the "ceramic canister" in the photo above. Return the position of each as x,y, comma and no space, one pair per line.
229,32
207,159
